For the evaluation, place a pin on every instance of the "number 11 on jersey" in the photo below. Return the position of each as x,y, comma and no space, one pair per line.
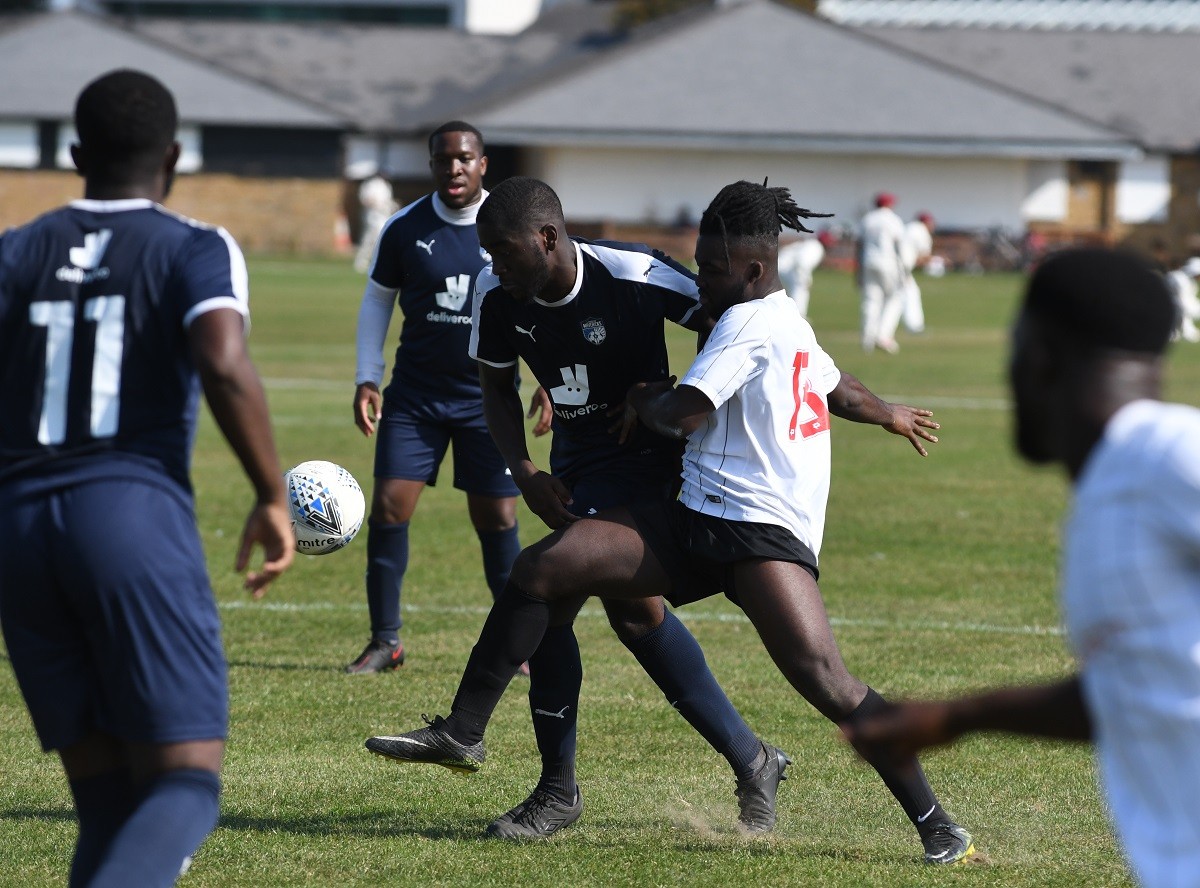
804,396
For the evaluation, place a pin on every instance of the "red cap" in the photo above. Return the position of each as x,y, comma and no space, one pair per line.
885,199
926,218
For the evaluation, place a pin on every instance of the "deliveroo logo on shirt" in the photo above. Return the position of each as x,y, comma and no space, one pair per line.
455,294
574,389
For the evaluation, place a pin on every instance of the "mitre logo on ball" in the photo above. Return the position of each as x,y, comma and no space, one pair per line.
327,506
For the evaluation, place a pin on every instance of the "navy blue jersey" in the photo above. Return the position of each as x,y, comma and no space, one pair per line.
432,261
95,301
587,350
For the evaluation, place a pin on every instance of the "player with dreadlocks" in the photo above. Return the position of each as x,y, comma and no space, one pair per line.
754,408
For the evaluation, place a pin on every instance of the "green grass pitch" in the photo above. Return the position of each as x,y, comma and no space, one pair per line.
939,576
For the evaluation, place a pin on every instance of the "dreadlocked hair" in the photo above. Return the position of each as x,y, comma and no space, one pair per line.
758,212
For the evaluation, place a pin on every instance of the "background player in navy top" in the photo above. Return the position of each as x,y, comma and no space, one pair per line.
429,254
113,314
588,320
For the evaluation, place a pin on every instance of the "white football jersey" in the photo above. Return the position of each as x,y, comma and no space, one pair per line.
763,455
1131,600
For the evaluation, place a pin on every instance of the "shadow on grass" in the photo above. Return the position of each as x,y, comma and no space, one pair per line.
46,815
285,667
362,825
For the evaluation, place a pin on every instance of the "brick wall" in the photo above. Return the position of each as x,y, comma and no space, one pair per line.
264,215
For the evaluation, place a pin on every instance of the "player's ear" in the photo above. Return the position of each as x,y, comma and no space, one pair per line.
549,234
171,158
483,166
79,158
756,270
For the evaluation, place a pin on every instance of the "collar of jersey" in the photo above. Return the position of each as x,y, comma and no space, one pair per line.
112,206
465,216
578,282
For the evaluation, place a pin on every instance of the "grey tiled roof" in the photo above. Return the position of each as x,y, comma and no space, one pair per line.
1144,84
46,59
1088,15
386,78
760,75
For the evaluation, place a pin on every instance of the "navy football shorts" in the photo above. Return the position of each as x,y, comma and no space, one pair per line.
698,551
594,493
108,615
415,432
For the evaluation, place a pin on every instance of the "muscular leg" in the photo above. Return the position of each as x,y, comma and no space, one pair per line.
784,603
165,804
673,659
584,559
599,557
393,503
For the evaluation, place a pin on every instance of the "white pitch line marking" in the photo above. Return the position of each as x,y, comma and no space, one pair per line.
685,616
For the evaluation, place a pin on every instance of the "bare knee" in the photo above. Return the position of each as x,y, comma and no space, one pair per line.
635,618
394,500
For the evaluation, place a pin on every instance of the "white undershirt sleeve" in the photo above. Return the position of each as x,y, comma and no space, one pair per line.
373,319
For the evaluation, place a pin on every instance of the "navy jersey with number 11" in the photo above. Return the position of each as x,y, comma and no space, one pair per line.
95,302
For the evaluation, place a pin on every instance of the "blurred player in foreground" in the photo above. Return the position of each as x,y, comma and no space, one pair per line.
754,408
881,238
113,314
917,250
426,258
1086,375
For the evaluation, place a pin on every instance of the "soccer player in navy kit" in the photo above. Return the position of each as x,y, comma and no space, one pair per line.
113,314
588,321
428,252
754,408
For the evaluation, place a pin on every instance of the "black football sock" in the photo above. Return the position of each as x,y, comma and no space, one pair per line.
510,635
555,674
387,561
672,657
500,550
905,779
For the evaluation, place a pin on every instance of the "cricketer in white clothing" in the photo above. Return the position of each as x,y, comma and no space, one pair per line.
797,262
1086,374
918,247
881,274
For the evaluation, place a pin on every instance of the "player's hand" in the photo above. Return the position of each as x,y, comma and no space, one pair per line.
548,498
269,525
639,393
368,406
539,403
914,424
902,730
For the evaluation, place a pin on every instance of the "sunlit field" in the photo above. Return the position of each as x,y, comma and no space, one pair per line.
938,573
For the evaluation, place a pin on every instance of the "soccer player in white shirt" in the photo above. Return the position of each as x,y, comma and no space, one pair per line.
1086,374
755,409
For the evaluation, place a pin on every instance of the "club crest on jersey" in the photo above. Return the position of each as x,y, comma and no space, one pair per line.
593,330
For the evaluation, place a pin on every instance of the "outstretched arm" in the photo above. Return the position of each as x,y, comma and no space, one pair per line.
239,405
852,400
904,729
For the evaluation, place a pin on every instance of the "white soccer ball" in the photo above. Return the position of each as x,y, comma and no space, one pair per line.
327,506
